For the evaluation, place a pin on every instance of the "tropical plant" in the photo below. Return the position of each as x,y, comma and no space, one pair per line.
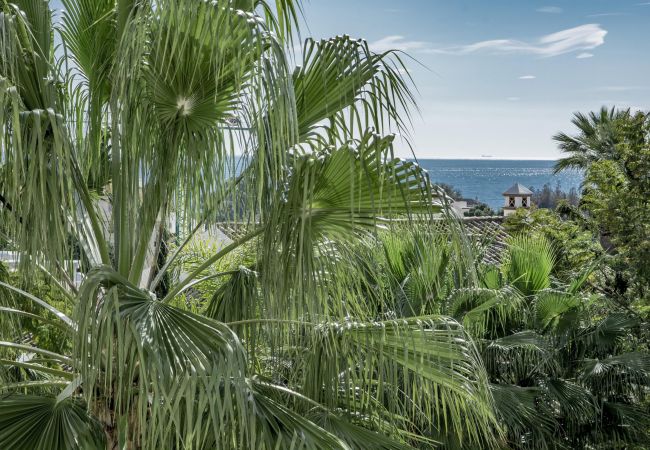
575,243
125,111
596,140
568,369
615,199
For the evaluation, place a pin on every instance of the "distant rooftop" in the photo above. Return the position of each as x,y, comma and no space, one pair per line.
518,189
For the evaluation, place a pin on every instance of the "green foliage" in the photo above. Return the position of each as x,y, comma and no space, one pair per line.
575,245
529,263
546,197
278,339
30,422
556,357
597,139
480,210
615,151
346,314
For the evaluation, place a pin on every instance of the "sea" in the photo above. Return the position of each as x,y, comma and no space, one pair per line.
485,179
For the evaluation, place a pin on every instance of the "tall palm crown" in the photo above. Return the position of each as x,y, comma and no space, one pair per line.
150,107
598,135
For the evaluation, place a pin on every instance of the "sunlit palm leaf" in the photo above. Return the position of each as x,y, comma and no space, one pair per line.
337,196
596,140
529,262
557,309
341,73
487,311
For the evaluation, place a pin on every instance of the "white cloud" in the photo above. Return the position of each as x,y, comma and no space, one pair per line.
584,37
550,10
577,39
611,14
643,4
585,55
527,77
396,42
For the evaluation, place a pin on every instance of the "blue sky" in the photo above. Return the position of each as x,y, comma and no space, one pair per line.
502,76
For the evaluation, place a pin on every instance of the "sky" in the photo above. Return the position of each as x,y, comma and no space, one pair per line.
501,77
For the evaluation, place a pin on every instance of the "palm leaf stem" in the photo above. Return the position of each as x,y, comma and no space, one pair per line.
29,348
42,303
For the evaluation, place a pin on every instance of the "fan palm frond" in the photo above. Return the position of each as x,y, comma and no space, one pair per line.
528,263
47,423
517,357
421,366
488,311
342,74
194,365
528,427
337,196
597,138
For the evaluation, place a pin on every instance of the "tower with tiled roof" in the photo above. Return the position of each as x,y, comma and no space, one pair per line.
517,196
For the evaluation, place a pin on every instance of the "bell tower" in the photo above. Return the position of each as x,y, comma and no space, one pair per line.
517,196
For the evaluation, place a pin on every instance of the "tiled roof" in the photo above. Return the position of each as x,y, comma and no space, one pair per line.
518,189
489,236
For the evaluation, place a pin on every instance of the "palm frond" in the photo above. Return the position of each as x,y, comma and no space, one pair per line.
419,367
336,196
192,366
577,405
604,336
518,357
528,263
237,299
289,429
30,422
628,425
610,376
557,310
343,74
489,312
528,426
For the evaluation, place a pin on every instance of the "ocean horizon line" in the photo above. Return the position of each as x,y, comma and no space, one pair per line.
482,159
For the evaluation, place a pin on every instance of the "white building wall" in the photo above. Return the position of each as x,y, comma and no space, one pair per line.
518,201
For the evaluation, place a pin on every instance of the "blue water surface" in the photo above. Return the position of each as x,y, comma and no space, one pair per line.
486,179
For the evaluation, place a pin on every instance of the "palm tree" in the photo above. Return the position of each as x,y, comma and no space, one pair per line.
125,111
598,135
567,369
